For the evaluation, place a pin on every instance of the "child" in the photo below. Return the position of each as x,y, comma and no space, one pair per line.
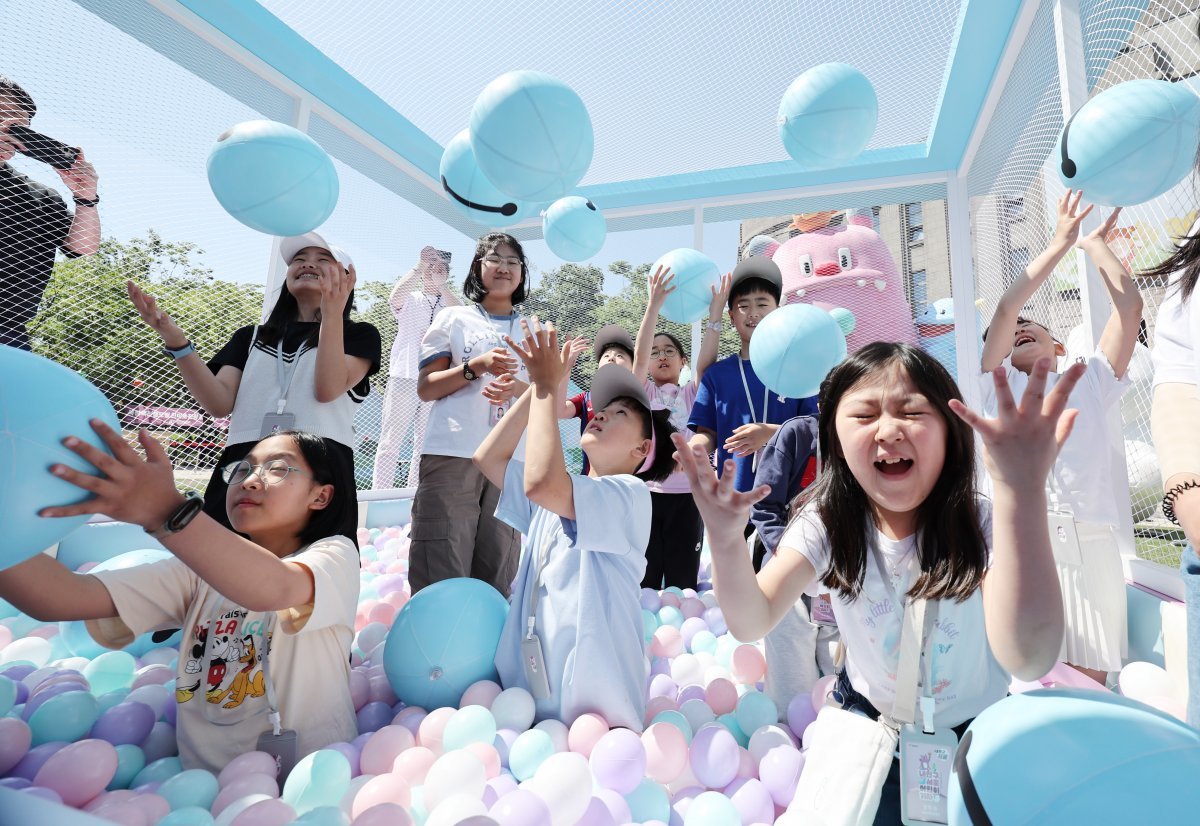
304,368
577,590
676,533
268,620
1093,587
454,530
415,300
734,413
613,346
895,512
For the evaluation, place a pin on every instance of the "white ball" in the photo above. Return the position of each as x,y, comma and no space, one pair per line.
564,783
558,733
456,809
513,709
767,738
454,773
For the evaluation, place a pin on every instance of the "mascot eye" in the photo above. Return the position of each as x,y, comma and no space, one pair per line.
845,260
806,266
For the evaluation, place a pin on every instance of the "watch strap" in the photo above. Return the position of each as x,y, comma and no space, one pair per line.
185,350
468,373
85,202
181,517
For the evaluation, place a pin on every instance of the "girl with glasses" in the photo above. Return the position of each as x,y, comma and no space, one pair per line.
267,612
454,529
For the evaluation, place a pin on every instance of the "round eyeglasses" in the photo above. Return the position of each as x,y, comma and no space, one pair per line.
270,473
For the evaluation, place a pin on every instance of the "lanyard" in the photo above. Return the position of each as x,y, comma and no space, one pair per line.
285,381
917,621
537,590
750,403
512,322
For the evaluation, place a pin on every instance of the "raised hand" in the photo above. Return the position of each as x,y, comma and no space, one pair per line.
720,297
1070,218
147,307
722,506
503,389
336,285
1100,234
572,349
81,178
541,354
662,284
1022,442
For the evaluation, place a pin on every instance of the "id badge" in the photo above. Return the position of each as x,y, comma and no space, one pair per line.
1064,538
925,763
495,414
535,667
821,611
272,423
282,747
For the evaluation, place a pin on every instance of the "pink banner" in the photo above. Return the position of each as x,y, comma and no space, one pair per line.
147,416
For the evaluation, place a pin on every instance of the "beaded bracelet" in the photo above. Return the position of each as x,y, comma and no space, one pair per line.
1168,502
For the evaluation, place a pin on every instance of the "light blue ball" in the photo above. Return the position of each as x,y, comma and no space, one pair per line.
188,816
273,178
101,541
470,724
324,816
444,639
42,403
469,190
528,751
157,772
649,624
1070,756
130,761
755,710
649,801
695,277
573,228
712,809
67,717
531,135
731,724
794,347
319,779
8,694
827,115
704,641
670,615
1130,143
193,787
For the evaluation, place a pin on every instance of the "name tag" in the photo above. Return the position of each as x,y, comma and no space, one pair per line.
925,762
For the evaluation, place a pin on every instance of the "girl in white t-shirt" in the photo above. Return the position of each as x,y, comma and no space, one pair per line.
267,613
455,532
898,491
676,532
415,302
576,597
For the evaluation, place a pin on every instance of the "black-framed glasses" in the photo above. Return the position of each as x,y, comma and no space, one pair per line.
270,473
665,352
496,260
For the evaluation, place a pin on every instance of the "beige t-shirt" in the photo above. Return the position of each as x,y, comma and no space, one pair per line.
219,683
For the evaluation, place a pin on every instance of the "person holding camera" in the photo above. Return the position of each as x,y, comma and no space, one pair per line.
34,219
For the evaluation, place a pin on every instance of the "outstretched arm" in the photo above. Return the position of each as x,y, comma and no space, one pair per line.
1004,323
496,451
661,285
1120,333
711,341
43,588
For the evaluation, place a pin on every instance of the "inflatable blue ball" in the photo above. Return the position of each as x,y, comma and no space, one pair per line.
273,178
42,403
827,116
573,228
471,192
795,347
695,276
444,639
1130,143
531,135
1070,756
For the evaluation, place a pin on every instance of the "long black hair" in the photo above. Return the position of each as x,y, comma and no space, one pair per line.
329,467
950,545
473,287
287,310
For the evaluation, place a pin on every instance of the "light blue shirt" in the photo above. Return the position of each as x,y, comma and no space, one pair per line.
588,615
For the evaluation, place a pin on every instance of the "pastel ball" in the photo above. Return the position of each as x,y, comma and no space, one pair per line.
443,640
1075,755
695,276
794,348
1130,143
41,403
827,115
469,190
531,135
573,228
273,178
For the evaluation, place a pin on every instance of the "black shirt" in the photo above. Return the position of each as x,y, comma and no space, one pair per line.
34,222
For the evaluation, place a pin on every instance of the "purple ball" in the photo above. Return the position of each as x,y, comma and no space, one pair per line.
360,741
35,758
659,665
413,721
618,761
715,757
171,713
691,626
779,771
715,621
37,698
352,754
651,600
66,675
496,788
160,742
661,685
597,814
373,716
800,713
125,723
19,671
16,783
752,800
691,692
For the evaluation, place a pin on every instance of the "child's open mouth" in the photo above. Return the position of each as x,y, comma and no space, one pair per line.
893,467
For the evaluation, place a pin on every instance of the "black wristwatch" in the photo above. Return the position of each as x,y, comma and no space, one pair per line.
468,373
86,202
181,517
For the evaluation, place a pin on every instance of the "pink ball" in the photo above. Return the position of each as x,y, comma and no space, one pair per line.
749,664
657,705
384,814
480,693
618,761
747,765
79,771
15,739
384,613
433,727
265,813
153,806
252,762
360,688
691,607
666,752
721,696
487,755
386,787
385,745
820,691
800,713
396,599
715,756
585,733
243,785
666,642
414,764
670,598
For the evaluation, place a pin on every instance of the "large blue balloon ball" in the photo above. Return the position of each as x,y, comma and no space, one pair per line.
573,228
471,192
695,277
273,178
1070,756
444,639
795,347
827,116
531,135
41,403
1131,143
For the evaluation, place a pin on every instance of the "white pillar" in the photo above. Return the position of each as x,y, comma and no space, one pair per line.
301,109
698,244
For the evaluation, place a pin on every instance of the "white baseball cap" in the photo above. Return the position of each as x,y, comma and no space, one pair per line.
288,247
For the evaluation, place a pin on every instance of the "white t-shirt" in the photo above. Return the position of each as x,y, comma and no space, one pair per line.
219,682
1083,469
678,398
589,618
1175,334
459,422
412,320
966,676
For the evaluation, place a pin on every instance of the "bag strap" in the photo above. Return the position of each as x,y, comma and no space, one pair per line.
918,617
